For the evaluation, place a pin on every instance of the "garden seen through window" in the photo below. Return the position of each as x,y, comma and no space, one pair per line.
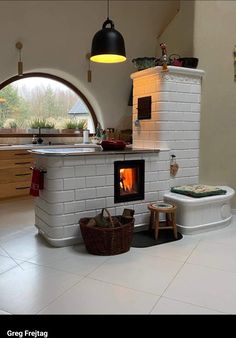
31,103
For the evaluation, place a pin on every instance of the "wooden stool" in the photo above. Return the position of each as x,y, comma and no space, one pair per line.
170,217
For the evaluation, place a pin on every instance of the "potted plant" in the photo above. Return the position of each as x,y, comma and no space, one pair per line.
69,126
34,126
81,125
10,126
108,235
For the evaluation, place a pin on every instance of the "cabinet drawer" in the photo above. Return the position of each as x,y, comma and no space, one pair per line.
15,175
26,162
14,189
12,154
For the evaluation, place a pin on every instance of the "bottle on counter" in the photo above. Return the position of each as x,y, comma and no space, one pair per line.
34,139
86,136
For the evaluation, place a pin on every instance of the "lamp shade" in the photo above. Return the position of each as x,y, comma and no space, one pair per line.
108,45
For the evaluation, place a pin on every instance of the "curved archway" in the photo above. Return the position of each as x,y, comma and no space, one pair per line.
55,78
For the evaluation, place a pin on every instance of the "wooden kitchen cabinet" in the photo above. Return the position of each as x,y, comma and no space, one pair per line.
15,173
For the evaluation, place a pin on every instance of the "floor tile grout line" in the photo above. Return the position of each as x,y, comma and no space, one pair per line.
43,308
125,287
184,262
203,307
211,267
172,280
9,256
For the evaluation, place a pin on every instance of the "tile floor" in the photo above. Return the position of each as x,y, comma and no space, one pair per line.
196,275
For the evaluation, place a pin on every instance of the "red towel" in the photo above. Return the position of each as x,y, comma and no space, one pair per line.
37,182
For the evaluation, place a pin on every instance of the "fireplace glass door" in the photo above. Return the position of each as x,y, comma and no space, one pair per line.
128,181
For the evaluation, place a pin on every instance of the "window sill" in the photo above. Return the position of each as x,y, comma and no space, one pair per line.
43,135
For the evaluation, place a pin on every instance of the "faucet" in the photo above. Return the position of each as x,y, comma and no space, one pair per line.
39,140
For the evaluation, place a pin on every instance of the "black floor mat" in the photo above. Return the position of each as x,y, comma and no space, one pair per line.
145,238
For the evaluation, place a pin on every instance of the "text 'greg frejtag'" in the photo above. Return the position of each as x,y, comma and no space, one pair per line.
27,333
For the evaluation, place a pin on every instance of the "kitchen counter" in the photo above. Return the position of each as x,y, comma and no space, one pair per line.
81,150
44,146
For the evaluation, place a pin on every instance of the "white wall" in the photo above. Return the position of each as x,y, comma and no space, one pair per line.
178,35
214,41
57,35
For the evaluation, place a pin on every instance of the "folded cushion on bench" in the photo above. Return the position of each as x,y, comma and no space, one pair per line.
198,190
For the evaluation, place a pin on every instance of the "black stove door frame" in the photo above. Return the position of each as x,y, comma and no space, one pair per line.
140,166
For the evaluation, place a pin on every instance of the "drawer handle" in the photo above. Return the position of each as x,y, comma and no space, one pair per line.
23,163
22,174
20,154
21,188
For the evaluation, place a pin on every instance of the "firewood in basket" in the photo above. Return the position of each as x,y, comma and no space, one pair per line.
91,222
128,213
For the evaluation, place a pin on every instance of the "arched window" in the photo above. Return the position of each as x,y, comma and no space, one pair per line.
40,100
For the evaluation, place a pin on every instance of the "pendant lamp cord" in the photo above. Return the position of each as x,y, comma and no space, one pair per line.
108,9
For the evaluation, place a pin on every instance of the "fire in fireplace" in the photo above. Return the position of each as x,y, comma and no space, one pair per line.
128,181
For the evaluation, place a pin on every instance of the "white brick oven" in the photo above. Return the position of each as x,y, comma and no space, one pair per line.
175,116
79,185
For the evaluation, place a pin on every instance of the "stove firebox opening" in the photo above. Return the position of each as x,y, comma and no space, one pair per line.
128,181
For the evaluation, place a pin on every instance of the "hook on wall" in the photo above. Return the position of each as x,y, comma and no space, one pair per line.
89,73
19,46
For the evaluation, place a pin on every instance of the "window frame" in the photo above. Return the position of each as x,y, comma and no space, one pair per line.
52,77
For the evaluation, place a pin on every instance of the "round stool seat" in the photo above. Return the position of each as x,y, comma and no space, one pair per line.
170,217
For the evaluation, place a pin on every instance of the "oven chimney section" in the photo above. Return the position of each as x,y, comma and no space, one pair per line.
166,115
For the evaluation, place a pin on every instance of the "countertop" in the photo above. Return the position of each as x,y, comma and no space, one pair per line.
44,146
80,151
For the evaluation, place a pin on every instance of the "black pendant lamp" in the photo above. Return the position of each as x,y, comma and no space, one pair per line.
108,45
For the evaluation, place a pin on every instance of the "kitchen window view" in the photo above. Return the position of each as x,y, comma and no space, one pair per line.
31,104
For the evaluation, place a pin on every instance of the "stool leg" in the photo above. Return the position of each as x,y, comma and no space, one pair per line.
174,225
151,221
156,224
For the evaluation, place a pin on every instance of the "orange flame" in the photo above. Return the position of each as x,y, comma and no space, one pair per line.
127,179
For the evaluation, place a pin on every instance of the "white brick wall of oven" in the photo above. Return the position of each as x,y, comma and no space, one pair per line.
79,186
175,116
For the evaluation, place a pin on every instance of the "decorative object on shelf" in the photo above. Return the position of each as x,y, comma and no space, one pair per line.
174,60
113,145
164,57
189,62
19,46
145,62
108,44
174,167
110,235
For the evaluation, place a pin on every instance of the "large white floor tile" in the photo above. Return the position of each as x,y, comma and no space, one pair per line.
6,263
226,235
95,297
203,286
24,246
73,259
18,212
171,306
216,255
179,250
3,252
4,313
139,272
29,288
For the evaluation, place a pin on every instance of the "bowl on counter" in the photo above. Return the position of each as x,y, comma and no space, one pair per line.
113,145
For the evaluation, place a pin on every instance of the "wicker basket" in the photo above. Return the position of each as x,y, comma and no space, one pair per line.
110,240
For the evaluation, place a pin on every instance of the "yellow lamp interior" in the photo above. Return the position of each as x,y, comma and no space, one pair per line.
108,58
